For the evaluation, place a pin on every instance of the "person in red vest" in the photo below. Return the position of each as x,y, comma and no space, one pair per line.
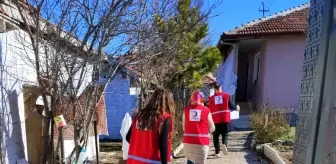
220,105
151,130
198,126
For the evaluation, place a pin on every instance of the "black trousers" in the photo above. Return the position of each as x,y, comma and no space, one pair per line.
223,130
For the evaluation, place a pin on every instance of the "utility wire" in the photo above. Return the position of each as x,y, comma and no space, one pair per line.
274,1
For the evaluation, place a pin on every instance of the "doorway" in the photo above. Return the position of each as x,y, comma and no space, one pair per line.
33,108
242,73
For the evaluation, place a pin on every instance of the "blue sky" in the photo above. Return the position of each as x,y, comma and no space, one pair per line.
232,13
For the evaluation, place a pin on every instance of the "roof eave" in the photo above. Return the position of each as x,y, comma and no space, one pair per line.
237,37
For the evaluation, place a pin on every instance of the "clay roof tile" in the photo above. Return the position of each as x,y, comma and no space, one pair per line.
294,20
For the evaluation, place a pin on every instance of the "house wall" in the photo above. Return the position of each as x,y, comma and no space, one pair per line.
90,149
118,101
259,87
17,70
282,60
69,144
251,87
33,133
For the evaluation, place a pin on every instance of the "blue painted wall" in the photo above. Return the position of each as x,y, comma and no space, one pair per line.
118,101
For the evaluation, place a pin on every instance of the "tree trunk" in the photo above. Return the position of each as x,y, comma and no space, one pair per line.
45,140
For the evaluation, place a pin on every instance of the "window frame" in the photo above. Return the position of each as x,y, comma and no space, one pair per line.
256,68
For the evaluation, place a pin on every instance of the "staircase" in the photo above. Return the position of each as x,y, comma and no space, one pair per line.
243,122
245,108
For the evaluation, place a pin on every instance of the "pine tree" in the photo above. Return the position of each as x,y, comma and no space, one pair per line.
193,60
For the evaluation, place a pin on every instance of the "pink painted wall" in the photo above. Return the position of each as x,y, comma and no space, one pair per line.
280,76
259,87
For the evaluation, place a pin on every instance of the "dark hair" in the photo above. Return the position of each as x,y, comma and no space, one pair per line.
217,86
160,102
206,103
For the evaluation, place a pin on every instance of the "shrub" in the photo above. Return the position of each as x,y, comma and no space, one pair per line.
269,125
291,135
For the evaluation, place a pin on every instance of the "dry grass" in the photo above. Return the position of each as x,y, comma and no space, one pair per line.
110,146
269,125
110,153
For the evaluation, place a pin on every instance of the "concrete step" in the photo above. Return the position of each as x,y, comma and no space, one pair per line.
243,123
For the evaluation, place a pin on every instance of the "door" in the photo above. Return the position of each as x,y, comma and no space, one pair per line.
241,94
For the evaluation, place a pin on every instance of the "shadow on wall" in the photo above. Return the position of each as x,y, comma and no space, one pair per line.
12,130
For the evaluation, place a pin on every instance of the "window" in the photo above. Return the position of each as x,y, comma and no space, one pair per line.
256,69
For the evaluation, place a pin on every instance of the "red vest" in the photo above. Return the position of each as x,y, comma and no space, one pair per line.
196,128
219,107
144,145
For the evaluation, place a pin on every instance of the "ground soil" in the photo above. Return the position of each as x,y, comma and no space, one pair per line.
111,158
286,153
111,153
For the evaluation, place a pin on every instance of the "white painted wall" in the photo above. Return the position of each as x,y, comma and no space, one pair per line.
90,149
17,59
15,73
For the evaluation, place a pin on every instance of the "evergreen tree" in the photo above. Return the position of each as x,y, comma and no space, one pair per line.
191,60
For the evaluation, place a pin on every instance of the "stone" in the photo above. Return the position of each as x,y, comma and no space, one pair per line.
273,155
104,161
112,154
288,143
258,148
312,81
277,142
253,143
